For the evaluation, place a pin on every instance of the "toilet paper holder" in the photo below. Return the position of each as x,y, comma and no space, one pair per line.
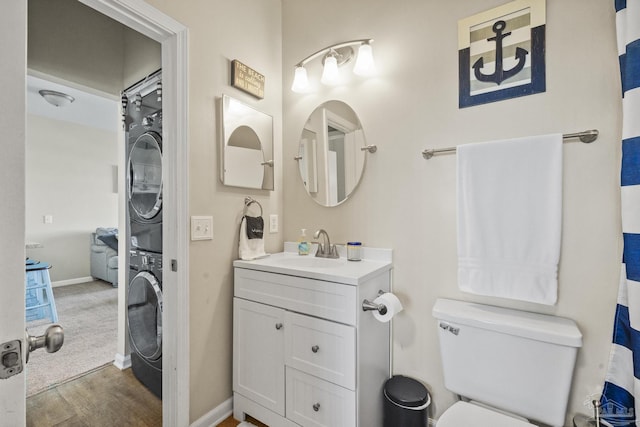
370,306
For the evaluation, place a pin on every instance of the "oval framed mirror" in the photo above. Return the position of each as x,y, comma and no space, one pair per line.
330,157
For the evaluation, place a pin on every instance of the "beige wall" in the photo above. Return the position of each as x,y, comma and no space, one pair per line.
70,40
407,203
70,176
64,34
141,57
220,31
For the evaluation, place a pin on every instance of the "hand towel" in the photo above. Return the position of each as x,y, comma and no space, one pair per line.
509,196
251,244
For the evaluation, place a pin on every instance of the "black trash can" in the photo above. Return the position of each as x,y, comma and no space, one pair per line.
406,403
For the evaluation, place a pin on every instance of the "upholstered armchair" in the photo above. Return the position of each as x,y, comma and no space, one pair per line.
104,255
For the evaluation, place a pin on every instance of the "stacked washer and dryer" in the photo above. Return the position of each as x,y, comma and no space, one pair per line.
142,114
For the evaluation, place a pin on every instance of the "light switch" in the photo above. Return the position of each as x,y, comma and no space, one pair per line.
273,223
47,219
201,227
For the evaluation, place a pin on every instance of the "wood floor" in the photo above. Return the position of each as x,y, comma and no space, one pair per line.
230,422
106,397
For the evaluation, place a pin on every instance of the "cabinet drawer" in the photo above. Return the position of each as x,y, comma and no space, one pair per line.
329,300
321,348
312,402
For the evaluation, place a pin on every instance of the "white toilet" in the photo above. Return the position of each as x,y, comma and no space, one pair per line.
508,365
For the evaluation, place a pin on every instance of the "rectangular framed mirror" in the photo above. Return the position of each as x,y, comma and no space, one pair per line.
246,145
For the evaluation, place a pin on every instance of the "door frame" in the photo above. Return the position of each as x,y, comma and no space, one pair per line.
173,37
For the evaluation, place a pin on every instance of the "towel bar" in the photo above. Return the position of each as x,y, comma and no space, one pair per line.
587,136
248,201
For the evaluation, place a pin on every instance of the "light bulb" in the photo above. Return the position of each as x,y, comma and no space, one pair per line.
300,80
364,64
330,71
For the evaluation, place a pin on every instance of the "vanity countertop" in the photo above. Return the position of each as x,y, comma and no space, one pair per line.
374,262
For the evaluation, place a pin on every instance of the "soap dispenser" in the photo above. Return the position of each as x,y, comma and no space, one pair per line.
303,243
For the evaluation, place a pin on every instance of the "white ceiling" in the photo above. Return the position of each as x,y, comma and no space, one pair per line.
88,109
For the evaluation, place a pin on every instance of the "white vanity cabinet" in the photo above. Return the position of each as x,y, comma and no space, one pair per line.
304,351
259,354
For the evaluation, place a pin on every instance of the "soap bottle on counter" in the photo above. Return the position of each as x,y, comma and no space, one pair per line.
303,243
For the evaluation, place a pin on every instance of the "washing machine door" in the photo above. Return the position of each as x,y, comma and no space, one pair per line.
144,313
145,176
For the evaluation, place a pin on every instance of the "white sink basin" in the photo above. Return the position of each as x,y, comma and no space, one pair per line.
312,262
333,270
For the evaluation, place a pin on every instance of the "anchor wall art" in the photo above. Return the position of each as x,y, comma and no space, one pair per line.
501,53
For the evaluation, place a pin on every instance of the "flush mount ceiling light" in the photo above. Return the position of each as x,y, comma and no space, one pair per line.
57,99
332,58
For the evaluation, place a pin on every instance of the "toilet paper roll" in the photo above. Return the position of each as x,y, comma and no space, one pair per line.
393,306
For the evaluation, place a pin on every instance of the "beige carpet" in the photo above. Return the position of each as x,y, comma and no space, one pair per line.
88,314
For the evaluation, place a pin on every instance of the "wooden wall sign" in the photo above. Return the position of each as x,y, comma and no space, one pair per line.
247,79
501,53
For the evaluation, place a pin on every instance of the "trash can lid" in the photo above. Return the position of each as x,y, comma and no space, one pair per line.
406,391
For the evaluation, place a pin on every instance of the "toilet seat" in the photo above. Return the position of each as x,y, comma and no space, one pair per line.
470,414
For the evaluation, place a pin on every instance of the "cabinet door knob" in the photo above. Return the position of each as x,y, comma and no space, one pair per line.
278,326
316,407
315,348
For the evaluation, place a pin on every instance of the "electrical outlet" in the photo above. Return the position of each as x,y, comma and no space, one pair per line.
201,227
273,223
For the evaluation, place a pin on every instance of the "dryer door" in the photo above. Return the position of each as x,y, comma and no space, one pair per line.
145,176
144,312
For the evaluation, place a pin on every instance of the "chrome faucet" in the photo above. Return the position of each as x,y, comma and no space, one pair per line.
325,250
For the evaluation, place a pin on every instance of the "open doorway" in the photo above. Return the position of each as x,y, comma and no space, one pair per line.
72,167
173,38
72,193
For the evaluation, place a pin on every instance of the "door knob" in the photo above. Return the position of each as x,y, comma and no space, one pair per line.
52,340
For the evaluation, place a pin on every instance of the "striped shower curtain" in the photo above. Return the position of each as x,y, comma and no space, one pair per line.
622,382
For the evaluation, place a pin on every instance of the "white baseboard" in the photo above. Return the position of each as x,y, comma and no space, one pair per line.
122,362
216,415
72,281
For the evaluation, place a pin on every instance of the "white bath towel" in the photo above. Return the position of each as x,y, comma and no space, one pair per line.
250,248
510,218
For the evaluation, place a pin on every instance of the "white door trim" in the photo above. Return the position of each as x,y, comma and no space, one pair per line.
173,36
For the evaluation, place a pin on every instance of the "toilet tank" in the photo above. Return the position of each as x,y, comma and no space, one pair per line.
516,361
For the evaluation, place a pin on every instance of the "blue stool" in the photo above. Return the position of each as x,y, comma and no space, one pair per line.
39,302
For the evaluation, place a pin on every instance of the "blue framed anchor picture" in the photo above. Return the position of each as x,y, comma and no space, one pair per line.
501,53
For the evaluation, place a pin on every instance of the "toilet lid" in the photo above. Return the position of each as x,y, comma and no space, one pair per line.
469,414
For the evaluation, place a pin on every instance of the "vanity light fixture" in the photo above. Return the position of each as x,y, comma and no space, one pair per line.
332,58
57,99
364,63
330,76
